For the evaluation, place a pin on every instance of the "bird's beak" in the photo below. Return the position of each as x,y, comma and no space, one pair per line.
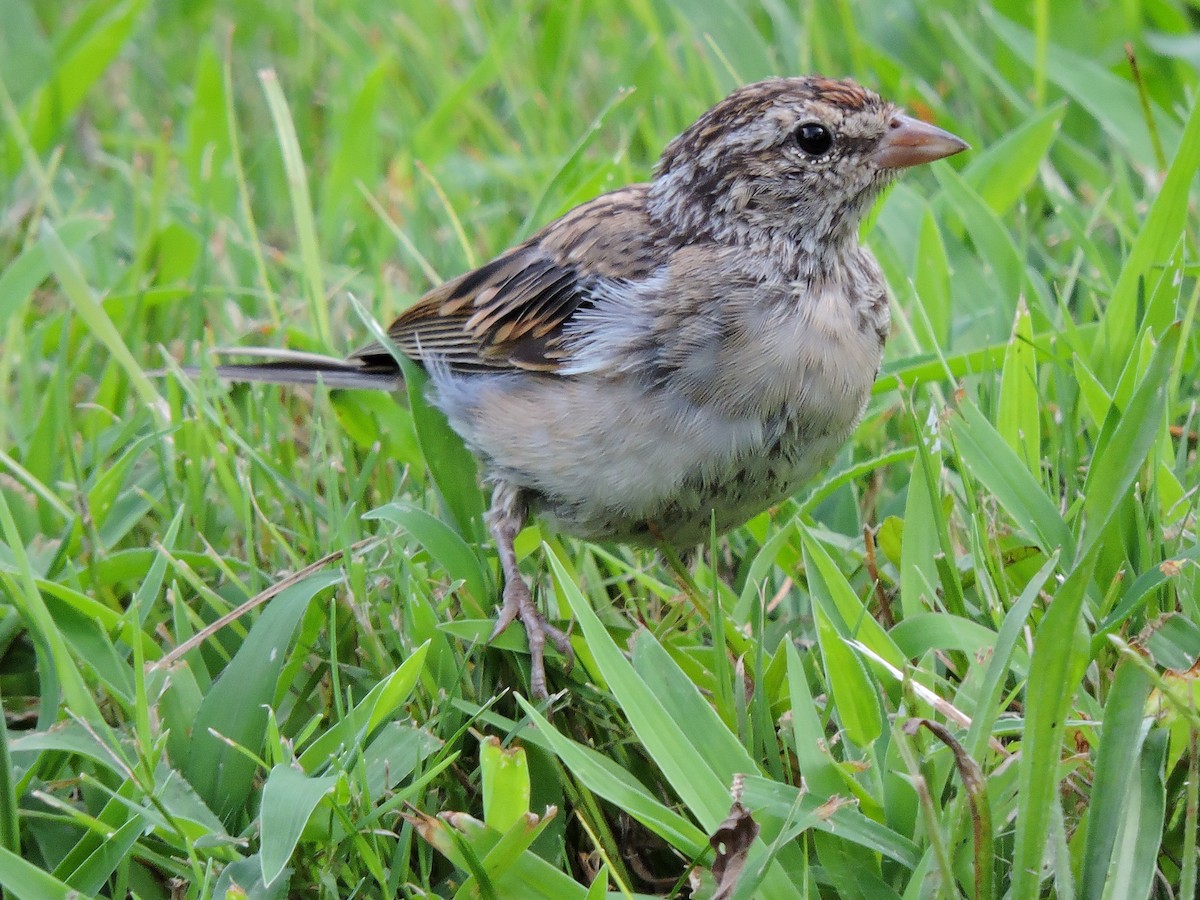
910,142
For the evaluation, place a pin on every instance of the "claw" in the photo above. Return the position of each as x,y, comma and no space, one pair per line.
518,604
507,615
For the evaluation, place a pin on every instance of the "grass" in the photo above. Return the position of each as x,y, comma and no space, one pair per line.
962,665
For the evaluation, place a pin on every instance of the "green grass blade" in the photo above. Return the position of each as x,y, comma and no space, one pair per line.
704,790
24,879
302,211
235,707
700,787
1160,238
1121,739
21,276
1110,100
1124,444
1060,650
82,60
504,773
70,276
382,701
289,799
610,781
1018,417
443,543
1135,865
1003,172
10,826
1009,480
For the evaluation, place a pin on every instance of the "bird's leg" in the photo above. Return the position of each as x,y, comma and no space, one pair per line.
505,519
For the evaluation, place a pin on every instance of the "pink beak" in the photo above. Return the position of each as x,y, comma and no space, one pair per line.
910,142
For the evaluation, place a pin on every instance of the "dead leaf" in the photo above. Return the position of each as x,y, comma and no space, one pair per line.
732,841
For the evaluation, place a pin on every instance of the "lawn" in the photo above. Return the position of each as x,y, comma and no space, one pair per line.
243,630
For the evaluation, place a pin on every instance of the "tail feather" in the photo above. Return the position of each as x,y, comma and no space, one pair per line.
294,367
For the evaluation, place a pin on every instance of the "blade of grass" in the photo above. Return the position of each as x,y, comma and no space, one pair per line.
1121,738
235,707
289,800
302,211
74,284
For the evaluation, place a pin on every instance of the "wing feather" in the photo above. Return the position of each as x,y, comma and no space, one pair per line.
513,312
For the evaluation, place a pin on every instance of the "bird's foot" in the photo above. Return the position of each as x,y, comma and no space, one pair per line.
518,604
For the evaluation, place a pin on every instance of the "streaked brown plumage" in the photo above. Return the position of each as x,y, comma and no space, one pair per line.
694,347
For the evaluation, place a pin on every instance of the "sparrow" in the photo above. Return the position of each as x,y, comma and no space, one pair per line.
687,350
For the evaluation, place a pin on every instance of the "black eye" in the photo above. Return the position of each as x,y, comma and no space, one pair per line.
814,139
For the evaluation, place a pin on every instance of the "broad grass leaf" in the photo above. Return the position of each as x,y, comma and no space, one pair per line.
60,676
1003,172
209,147
855,697
938,367
499,865
1174,642
817,766
504,772
1018,418
93,872
1135,858
1008,478
289,799
450,463
21,276
1125,442
672,746
1149,265
1060,651
917,635
359,723
701,788
853,874
21,878
303,223
358,150
790,804
70,275
235,708
83,55
931,279
844,607
243,878
1096,397
747,51
689,710
1000,261
608,780
394,754
1122,734
442,542
10,796
919,541
1110,100
1137,594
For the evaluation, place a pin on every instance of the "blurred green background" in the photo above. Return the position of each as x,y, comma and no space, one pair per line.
1007,548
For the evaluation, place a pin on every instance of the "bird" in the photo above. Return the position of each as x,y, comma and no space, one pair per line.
674,353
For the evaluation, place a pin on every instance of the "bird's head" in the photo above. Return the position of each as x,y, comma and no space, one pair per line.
800,158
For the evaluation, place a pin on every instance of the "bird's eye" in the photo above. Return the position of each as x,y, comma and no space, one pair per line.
814,138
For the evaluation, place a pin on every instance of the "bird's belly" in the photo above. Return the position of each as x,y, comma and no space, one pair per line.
612,460
726,493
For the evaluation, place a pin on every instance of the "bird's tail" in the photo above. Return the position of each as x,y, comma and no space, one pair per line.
275,366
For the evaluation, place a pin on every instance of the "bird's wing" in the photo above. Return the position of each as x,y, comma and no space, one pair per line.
512,313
